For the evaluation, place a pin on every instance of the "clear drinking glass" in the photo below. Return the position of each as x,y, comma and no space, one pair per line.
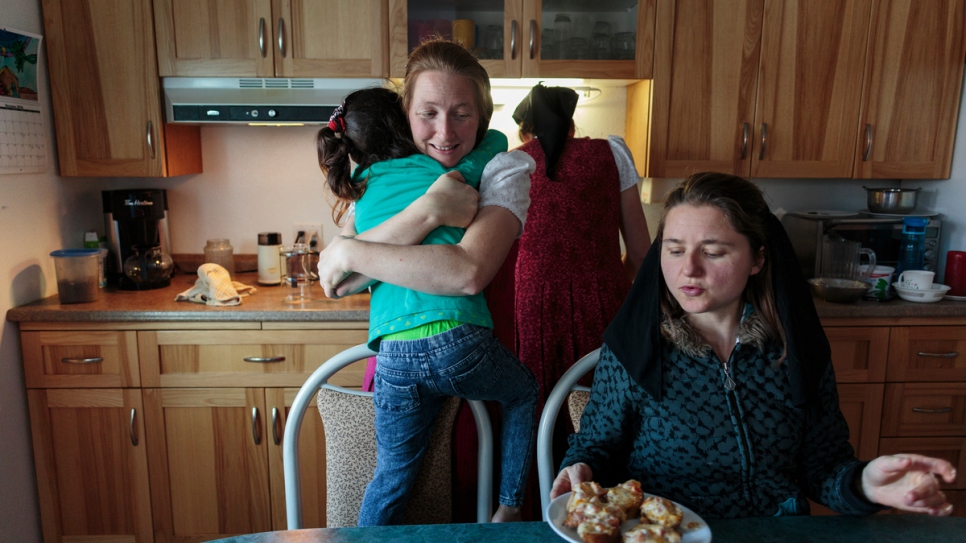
623,45
493,41
296,260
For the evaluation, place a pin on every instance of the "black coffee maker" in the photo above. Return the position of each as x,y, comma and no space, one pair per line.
136,223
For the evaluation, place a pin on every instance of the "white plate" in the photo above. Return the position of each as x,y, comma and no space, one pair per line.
956,298
900,216
693,528
823,214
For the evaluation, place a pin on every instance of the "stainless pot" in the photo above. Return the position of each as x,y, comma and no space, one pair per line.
893,201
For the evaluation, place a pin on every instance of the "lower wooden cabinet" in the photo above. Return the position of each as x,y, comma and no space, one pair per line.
191,449
91,458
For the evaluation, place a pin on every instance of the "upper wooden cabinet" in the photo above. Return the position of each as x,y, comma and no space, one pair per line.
913,75
106,95
760,88
606,39
272,38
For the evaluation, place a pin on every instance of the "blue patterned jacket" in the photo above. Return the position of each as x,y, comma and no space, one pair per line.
744,452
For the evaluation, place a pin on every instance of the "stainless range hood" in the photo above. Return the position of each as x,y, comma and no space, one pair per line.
254,101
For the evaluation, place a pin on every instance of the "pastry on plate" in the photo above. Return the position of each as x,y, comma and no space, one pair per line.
662,511
651,533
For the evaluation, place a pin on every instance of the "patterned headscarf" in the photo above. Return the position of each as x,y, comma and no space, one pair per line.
551,110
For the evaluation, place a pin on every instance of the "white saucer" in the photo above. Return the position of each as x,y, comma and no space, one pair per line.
955,298
900,216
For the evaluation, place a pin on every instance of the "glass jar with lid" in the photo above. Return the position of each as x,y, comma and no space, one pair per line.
219,251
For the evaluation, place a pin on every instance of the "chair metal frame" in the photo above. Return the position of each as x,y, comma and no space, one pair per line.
567,384
306,396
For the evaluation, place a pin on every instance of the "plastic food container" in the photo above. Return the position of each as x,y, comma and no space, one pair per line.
78,279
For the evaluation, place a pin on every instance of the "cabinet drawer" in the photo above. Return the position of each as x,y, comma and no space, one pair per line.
231,358
859,354
927,353
80,359
924,409
949,448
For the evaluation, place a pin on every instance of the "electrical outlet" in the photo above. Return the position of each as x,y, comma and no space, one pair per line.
309,229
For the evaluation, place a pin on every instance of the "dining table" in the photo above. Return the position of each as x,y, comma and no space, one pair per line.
882,528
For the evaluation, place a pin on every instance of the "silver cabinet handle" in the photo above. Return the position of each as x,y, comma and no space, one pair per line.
533,33
513,39
281,37
264,359
134,434
81,360
275,437
255,437
952,354
931,411
764,140
261,37
150,137
745,129
868,142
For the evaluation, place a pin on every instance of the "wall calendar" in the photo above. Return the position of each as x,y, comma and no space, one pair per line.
23,138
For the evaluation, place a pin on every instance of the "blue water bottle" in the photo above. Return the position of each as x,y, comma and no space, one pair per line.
913,244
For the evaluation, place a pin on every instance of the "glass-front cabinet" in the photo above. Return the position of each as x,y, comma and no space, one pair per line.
606,39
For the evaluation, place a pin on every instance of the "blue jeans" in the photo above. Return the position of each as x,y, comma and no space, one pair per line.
412,379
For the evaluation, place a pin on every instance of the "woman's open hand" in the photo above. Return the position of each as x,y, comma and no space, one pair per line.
569,477
450,200
909,482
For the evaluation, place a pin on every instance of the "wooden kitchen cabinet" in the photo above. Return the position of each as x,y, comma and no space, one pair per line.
175,435
106,94
91,463
526,31
760,88
913,81
272,38
219,410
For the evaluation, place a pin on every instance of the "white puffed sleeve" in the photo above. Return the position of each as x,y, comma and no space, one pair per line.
506,183
625,162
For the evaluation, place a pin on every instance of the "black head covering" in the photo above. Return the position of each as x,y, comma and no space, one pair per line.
551,110
635,333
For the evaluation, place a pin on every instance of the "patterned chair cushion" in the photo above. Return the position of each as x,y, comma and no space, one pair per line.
350,450
576,402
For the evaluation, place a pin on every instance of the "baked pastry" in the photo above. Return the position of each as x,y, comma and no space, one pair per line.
661,511
604,529
628,496
652,533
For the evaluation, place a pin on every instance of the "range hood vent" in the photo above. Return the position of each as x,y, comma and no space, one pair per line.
273,101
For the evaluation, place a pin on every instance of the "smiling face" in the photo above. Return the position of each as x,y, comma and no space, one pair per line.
444,116
706,263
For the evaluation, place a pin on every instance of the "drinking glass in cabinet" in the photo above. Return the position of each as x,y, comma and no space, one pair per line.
493,42
623,45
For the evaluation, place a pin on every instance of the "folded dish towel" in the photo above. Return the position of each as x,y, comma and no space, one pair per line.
215,287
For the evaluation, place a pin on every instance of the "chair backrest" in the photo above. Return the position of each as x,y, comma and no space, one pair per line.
546,469
350,460
309,392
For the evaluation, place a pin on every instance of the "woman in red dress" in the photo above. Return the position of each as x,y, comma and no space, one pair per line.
570,276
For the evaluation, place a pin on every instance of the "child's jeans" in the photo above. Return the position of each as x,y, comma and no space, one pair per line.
412,378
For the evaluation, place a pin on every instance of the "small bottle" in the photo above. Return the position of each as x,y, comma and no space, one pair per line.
912,247
269,271
219,251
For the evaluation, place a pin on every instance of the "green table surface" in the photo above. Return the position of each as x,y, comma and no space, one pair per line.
873,529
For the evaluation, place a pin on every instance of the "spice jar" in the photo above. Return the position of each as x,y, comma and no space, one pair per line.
219,251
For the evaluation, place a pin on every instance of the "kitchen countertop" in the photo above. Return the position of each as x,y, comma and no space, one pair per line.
268,304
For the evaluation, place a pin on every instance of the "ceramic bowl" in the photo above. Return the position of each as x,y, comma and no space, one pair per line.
933,294
840,291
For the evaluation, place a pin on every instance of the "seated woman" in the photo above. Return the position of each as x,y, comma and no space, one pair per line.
715,385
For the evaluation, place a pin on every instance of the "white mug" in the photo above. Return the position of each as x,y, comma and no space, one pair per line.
916,279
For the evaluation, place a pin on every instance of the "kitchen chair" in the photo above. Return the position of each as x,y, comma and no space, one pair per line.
577,397
349,434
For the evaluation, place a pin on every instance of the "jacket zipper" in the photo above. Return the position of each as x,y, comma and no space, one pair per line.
730,386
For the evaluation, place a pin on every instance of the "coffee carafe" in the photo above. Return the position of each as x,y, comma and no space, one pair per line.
136,222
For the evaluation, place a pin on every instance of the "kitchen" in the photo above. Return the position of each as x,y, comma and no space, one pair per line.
42,212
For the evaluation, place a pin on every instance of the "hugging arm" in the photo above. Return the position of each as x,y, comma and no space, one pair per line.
449,201
455,270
